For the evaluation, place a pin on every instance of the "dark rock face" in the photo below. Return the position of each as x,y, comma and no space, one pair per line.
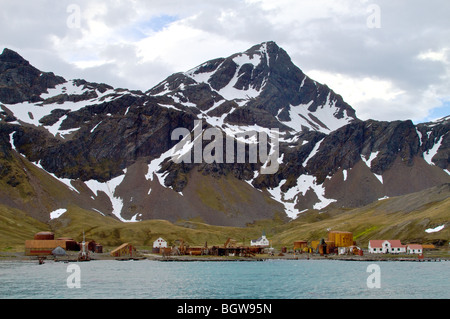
433,133
93,132
19,81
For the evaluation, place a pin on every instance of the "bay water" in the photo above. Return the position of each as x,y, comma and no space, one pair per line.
270,279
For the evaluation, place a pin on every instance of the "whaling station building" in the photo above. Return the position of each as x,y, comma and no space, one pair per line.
124,250
159,244
393,247
260,242
44,244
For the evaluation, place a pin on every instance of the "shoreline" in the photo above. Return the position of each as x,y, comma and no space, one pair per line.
20,257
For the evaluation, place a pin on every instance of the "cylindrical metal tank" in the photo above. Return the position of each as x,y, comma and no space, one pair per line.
44,236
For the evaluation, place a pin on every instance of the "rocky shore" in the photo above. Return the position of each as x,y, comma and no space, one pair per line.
72,257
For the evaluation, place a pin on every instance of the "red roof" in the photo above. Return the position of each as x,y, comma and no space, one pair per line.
415,246
395,243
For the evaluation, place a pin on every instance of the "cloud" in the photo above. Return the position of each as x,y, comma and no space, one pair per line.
398,70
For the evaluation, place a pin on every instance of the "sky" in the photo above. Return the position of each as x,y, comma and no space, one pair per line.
390,60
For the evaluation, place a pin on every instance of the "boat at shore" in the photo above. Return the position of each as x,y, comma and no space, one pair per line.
84,253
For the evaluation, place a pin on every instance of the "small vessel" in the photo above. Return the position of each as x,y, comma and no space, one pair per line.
84,253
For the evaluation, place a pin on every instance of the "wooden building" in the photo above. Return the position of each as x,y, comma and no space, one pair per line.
124,250
341,238
98,249
414,249
71,244
42,247
300,245
386,246
159,245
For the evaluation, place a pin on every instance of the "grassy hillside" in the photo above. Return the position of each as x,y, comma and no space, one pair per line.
15,227
375,221
111,233
404,217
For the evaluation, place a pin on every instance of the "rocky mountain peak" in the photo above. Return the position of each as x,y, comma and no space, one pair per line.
260,86
10,56
20,81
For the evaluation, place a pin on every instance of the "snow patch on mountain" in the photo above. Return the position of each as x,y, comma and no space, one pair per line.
324,119
109,188
313,153
69,88
33,113
428,155
368,159
345,172
290,198
57,213
435,229
229,91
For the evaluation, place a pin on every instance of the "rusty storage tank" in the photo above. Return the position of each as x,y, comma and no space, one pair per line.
45,235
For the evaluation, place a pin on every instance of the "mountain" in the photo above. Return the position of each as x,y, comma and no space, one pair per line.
112,151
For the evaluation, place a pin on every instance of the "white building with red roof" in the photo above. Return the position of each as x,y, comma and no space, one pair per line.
415,249
383,246
160,243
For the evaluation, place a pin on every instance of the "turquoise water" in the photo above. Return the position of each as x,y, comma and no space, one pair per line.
274,279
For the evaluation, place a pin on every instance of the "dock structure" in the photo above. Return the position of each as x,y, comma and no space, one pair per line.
235,251
229,248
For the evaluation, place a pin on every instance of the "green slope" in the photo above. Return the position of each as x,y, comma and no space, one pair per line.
404,217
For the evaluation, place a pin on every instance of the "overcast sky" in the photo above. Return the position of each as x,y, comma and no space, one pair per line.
389,59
